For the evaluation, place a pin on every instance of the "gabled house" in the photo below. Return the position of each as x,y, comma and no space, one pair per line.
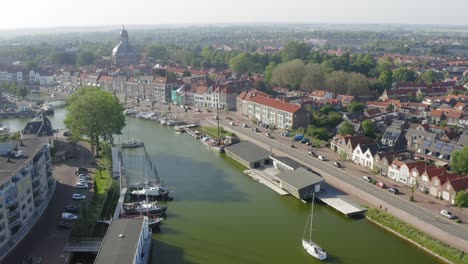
383,159
400,170
393,137
345,99
438,181
452,186
353,142
364,155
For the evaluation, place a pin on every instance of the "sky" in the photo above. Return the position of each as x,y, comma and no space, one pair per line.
69,13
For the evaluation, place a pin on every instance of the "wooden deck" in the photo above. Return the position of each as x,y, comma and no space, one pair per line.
340,201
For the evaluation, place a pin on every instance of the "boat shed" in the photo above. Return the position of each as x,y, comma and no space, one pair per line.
126,241
301,183
284,163
249,154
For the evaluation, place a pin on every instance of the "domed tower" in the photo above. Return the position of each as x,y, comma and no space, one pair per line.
123,53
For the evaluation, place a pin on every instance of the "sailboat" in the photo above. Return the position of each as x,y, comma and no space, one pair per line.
310,246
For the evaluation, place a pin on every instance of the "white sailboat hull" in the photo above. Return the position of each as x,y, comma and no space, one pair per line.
314,250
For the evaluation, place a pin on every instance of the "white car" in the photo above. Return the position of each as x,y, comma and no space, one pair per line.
232,123
322,158
84,178
80,185
77,196
367,178
447,214
268,134
68,216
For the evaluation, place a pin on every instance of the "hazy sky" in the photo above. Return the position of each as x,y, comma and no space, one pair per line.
58,13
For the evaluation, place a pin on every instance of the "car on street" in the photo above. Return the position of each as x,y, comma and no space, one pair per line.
268,135
448,214
393,190
337,164
81,170
285,134
311,153
245,125
197,110
63,225
78,196
80,185
69,216
71,209
232,123
322,158
255,129
367,178
84,177
304,140
381,185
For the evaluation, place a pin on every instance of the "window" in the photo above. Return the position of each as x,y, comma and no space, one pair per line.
448,187
436,182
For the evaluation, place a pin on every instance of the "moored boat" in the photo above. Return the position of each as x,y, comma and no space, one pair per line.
132,143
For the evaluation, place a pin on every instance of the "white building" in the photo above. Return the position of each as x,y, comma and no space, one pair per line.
43,80
26,185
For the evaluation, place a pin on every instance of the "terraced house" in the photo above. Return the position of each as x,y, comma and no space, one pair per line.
26,185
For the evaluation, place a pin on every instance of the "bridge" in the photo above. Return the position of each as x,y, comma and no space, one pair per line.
89,245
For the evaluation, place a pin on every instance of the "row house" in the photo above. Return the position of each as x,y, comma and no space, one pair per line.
42,79
453,185
345,145
162,88
415,138
383,159
364,155
437,151
12,77
345,99
281,114
399,170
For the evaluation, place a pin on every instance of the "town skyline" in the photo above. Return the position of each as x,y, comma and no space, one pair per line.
184,12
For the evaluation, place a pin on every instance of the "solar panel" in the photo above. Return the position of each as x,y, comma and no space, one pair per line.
448,148
427,143
438,145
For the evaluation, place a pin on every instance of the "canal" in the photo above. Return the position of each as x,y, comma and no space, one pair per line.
219,215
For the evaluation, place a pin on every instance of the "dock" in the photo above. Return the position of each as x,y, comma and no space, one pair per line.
340,201
263,180
192,133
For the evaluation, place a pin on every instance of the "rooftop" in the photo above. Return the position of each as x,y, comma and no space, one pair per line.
299,178
18,158
248,151
285,160
120,250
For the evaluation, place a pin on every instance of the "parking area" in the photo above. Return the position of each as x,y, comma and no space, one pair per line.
46,239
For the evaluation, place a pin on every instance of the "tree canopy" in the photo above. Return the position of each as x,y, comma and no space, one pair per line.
346,129
460,161
95,114
369,128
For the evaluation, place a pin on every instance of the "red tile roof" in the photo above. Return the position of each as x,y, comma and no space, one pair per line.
459,184
274,103
437,112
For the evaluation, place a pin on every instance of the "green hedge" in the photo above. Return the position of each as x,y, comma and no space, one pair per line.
412,233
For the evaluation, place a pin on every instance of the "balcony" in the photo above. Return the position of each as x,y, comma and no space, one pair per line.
13,213
12,202
35,179
14,222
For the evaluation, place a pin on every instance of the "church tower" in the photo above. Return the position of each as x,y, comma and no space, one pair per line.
123,54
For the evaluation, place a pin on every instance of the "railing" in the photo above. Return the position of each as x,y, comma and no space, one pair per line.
13,213
13,224
12,202
35,179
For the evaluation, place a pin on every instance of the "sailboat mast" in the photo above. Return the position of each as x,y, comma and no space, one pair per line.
312,217
217,115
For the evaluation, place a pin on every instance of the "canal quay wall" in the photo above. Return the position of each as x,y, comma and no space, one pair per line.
422,224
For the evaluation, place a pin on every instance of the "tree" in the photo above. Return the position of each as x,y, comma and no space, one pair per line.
295,50
172,77
85,58
186,74
428,76
269,72
461,199
314,77
369,128
355,107
357,84
157,51
346,129
95,114
242,64
337,82
390,108
386,79
403,74
289,74
460,161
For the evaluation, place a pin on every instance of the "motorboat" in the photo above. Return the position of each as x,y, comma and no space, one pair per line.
4,130
144,207
132,143
151,191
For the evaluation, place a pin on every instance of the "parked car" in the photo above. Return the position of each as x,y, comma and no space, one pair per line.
268,135
311,153
298,137
77,196
245,125
66,134
81,170
393,190
367,178
80,185
71,209
84,177
381,185
322,158
448,214
69,216
197,110
255,129
83,181
285,134
232,123
64,225
337,164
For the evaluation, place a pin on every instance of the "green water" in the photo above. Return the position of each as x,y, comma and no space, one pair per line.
17,124
220,215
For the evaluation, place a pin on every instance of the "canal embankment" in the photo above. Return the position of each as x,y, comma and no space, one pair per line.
422,222
405,231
